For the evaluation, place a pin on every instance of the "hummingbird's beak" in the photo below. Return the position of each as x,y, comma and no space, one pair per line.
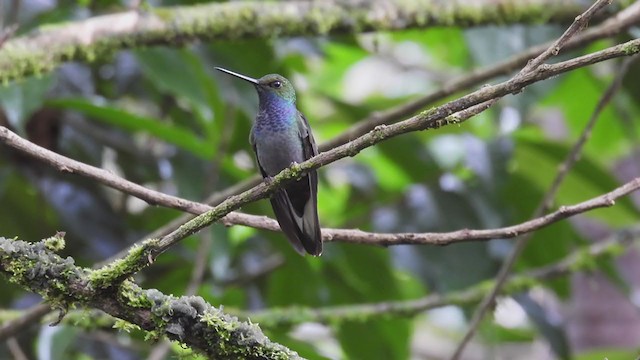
243,77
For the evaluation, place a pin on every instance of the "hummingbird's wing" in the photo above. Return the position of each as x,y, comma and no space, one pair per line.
295,205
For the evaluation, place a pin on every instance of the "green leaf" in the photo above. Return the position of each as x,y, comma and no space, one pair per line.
20,100
296,270
384,339
172,134
608,354
389,174
53,342
445,45
537,160
173,71
497,334
182,73
329,79
305,350
577,96
358,275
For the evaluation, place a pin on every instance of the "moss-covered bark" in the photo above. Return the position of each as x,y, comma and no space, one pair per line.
188,319
101,36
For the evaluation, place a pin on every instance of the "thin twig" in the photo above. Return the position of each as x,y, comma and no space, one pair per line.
432,119
205,244
547,200
32,315
426,120
580,22
6,33
15,349
614,25
579,260
630,17
278,317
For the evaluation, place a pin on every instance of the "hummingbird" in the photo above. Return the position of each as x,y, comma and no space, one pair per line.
281,136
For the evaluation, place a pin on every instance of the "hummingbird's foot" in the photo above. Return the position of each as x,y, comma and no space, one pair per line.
268,179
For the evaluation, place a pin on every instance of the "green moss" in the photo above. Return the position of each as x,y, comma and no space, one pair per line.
518,284
631,47
125,326
24,56
132,295
153,335
34,266
164,14
427,113
55,243
118,270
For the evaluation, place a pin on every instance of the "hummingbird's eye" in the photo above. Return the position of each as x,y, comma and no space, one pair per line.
276,84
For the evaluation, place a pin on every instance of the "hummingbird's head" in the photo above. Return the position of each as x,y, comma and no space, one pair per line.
268,85
277,85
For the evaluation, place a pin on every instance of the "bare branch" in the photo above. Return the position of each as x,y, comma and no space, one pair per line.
426,120
604,200
563,170
580,22
34,314
7,33
614,25
16,350
579,260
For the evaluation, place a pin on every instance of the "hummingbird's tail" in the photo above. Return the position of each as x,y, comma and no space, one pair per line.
296,210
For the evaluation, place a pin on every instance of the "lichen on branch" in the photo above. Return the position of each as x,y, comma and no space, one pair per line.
99,37
187,319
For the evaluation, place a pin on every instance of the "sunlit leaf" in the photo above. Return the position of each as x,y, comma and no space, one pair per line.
20,100
134,123
538,160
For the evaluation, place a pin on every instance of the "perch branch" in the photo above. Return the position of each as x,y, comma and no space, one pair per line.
431,119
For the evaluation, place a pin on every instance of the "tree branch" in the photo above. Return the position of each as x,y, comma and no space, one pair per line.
580,260
545,204
612,26
96,37
431,119
142,256
187,319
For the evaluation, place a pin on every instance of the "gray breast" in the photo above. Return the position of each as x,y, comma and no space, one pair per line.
277,150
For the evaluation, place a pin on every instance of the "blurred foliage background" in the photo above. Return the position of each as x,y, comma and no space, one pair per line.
163,118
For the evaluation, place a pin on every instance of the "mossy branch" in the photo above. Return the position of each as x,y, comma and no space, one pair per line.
581,260
101,36
430,119
187,319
